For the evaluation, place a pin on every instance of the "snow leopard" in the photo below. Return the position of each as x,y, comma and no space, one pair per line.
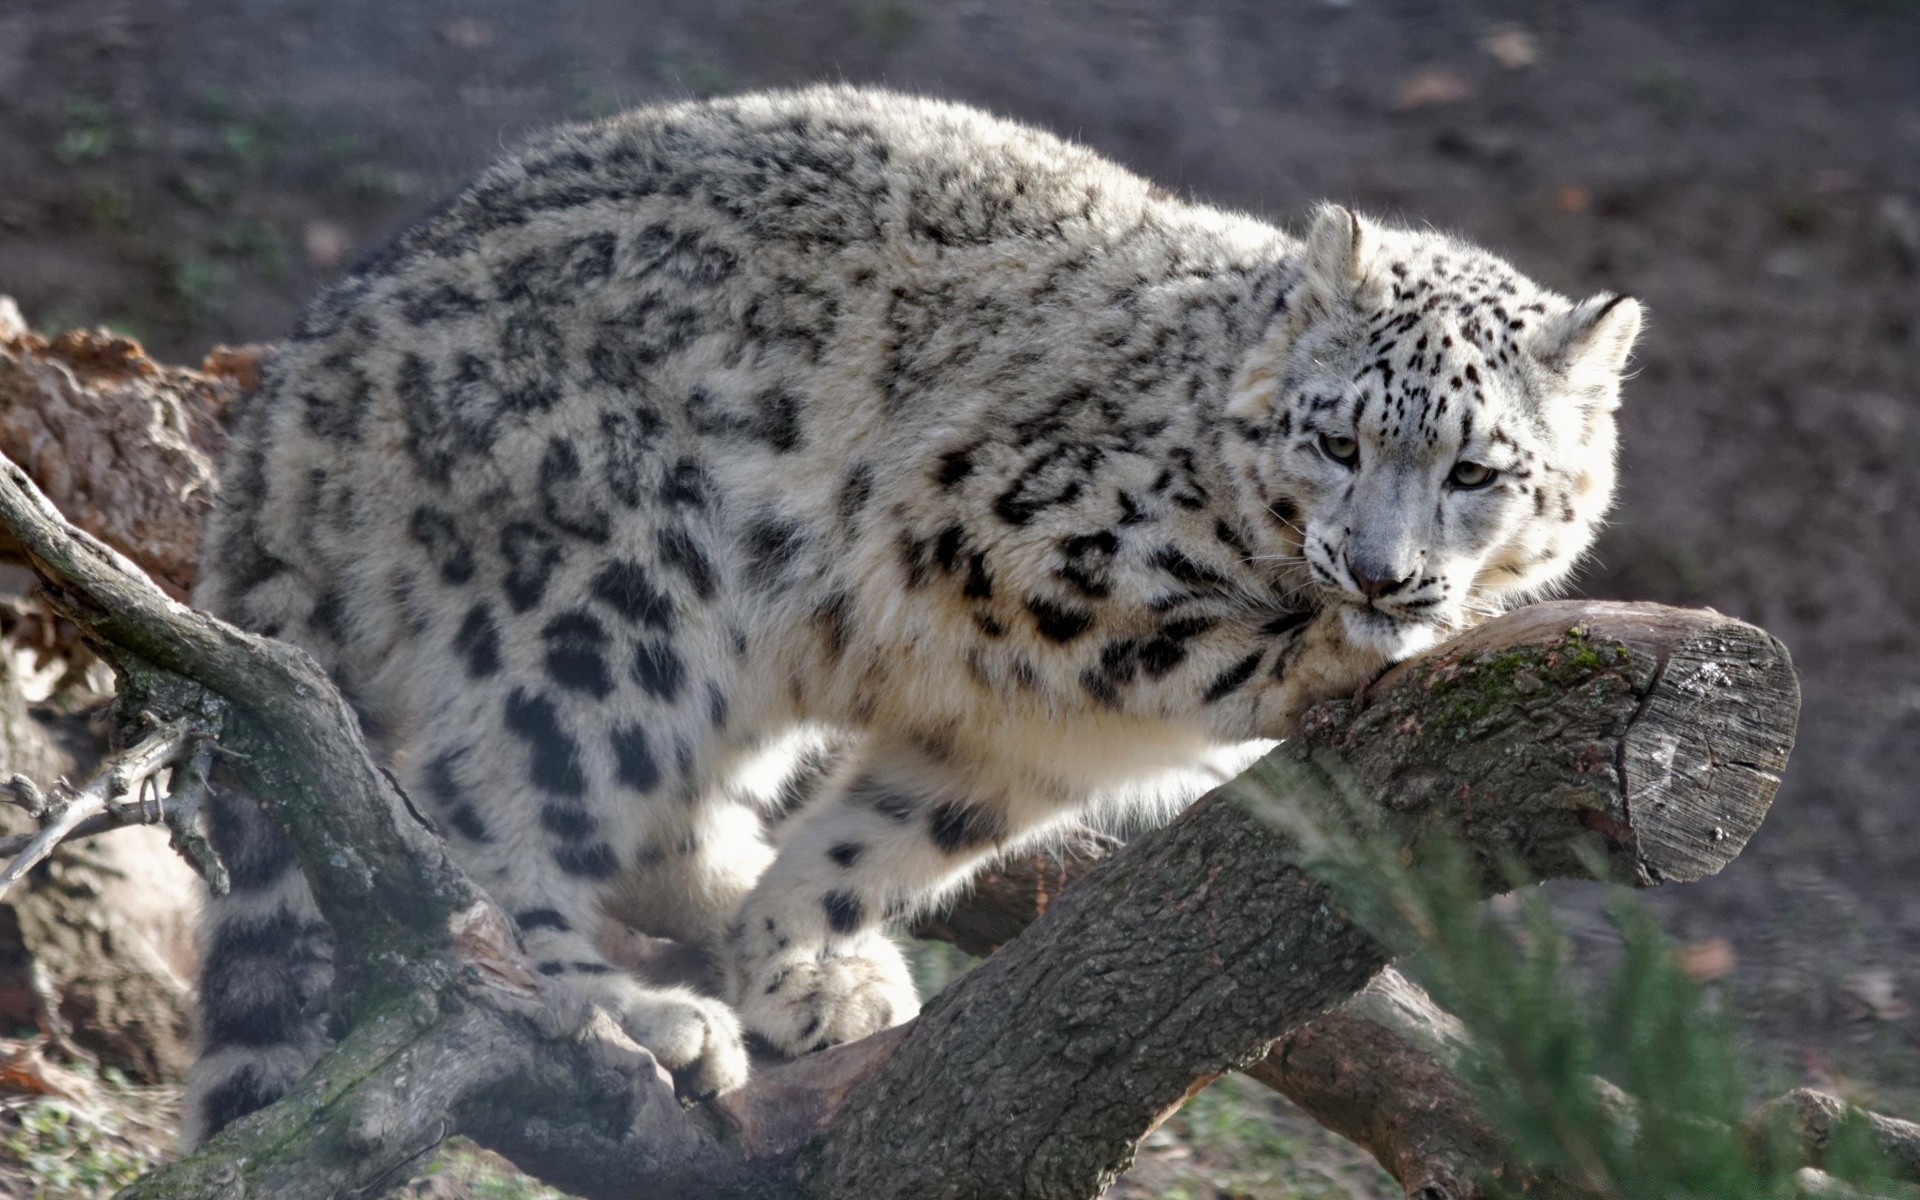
904,473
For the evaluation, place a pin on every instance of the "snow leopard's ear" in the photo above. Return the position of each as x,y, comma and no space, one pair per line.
1333,276
1592,339
1337,252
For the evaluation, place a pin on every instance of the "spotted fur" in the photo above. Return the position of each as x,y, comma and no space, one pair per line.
724,427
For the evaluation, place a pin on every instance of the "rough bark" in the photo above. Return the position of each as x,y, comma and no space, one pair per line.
101,940
1379,1070
1186,954
124,446
1003,900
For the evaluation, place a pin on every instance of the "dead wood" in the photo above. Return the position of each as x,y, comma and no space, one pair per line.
124,446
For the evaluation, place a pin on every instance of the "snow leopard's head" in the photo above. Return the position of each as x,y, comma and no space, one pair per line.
1425,436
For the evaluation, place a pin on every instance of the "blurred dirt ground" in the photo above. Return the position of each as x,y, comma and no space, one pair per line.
187,172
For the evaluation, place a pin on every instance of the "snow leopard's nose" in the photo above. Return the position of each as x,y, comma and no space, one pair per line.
1376,578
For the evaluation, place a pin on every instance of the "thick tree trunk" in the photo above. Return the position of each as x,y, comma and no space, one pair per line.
1380,1070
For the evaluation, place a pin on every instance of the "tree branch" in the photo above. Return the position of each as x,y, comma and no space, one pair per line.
189,753
1379,1070
1813,1117
1190,951
292,742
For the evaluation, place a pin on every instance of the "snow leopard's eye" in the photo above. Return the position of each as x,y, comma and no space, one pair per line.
1470,475
1343,450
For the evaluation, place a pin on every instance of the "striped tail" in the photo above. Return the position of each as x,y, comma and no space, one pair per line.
265,968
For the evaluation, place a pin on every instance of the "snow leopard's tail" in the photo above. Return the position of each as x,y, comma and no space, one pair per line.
266,956
266,962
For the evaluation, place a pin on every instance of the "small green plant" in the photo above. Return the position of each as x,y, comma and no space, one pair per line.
197,285
89,135
253,140
260,244
109,205
200,190
69,1155
1633,1089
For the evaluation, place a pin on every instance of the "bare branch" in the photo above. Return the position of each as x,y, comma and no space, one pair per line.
295,742
133,773
179,810
25,793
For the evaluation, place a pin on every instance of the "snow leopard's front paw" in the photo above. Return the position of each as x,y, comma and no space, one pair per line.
800,1001
695,1037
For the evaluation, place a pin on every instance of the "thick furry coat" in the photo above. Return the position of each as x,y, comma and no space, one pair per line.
836,413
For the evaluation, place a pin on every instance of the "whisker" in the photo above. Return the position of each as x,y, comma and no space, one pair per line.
1286,558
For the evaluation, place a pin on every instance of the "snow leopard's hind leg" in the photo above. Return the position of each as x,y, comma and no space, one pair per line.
572,750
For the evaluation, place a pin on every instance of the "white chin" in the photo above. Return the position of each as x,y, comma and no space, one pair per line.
1392,640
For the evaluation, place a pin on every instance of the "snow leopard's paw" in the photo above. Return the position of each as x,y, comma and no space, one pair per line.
808,999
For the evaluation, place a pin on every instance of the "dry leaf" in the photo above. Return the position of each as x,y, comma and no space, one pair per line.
24,1070
1512,47
1436,85
1709,958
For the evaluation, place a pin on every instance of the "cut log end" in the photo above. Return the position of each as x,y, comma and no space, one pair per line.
1675,724
1705,754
